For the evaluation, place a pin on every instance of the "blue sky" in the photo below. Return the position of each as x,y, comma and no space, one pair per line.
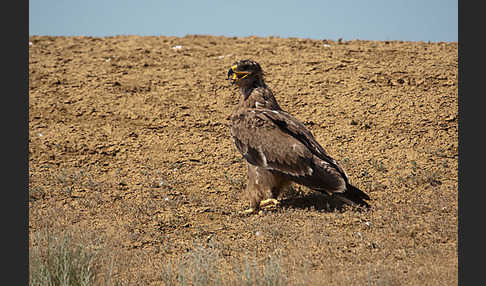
412,20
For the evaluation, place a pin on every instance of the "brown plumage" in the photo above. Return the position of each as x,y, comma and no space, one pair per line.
278,148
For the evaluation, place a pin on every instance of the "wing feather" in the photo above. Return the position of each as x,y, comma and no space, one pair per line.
275,140
295,128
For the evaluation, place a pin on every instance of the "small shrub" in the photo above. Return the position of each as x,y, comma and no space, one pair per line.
56,260
201,267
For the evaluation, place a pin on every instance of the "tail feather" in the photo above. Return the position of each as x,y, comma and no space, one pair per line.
354,196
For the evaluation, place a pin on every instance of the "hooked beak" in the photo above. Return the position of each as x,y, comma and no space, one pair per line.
231,74
235,76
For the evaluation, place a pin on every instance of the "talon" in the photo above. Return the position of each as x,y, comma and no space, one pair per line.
248,211
269,202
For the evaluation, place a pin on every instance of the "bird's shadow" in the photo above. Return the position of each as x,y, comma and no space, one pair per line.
317,201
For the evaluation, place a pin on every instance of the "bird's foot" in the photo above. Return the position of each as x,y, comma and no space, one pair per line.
248,211
269,202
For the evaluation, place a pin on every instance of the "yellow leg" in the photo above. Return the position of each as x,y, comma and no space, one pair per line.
264,203
269,202
248,211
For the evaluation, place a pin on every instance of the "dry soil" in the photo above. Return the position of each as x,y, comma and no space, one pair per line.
129,148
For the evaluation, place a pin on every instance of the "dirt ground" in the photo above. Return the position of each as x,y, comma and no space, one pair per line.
129,148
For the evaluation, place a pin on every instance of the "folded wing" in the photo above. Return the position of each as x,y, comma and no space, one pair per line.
275,140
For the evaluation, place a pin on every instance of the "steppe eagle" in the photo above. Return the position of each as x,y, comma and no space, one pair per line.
278,148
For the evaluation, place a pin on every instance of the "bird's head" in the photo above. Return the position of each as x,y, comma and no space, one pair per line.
245,72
